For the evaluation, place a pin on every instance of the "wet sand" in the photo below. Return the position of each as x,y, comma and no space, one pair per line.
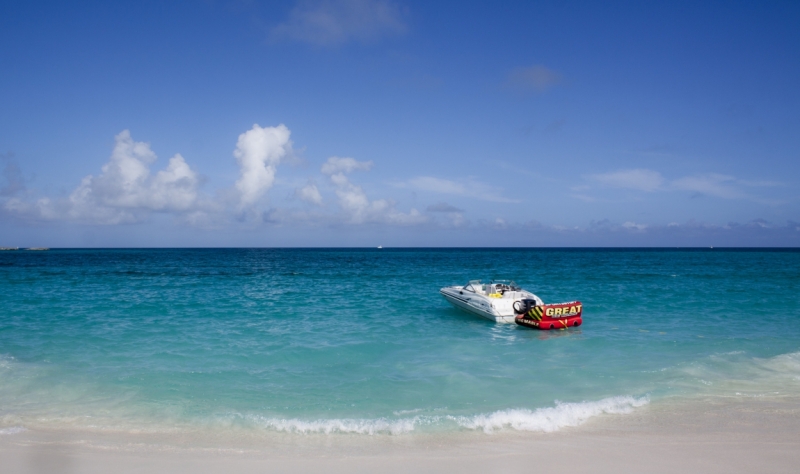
708,436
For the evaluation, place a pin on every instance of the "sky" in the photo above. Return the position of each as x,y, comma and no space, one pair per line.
399,123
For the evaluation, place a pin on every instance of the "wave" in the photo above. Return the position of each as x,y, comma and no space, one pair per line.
736,373
552,418
546,420
351,426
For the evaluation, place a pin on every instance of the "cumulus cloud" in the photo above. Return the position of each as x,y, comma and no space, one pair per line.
333,22
636,179
309,193
467,188
353,200
128,191
258,152
124,191
535,78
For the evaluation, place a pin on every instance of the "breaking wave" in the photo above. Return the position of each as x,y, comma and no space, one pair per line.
351,426
546,420
552,418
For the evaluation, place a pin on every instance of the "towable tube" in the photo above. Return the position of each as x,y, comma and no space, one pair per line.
548,316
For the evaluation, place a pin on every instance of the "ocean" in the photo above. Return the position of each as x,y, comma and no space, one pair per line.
359,342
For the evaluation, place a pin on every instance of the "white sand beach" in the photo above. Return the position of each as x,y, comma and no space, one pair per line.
708,436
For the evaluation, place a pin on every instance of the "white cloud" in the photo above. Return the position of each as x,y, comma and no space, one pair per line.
724,186
309,193
344,165
353,200
332,22
259,151
468,188
438,185
175,187
124,191
636,179
712,184
634,226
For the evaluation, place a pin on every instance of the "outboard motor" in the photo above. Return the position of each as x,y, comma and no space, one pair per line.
523,306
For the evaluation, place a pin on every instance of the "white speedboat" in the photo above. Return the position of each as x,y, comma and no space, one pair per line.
493,300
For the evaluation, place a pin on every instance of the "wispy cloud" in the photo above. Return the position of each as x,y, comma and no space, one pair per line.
535,78
720,185
467,188
637,179
711,184
336,164
334,22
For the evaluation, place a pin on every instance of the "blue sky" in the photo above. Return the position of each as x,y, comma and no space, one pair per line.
400,123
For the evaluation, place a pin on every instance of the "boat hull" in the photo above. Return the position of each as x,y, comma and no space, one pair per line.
476,305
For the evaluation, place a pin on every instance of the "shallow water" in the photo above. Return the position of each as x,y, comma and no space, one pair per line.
360,341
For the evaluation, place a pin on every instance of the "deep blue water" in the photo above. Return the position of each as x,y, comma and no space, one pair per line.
359,340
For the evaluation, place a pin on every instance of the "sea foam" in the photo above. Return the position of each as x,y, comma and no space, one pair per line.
343,425
546,420
551,418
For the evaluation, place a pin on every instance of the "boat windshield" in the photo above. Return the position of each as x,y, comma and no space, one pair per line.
473,286
496,286
506,285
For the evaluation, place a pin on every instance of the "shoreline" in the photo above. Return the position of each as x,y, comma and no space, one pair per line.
707,435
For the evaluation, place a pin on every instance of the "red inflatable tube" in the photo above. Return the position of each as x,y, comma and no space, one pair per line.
549,324
552,316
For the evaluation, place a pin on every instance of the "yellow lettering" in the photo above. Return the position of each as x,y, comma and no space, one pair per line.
572,310
558,311
549,312
579,307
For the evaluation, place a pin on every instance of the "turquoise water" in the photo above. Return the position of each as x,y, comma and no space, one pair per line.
360,341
